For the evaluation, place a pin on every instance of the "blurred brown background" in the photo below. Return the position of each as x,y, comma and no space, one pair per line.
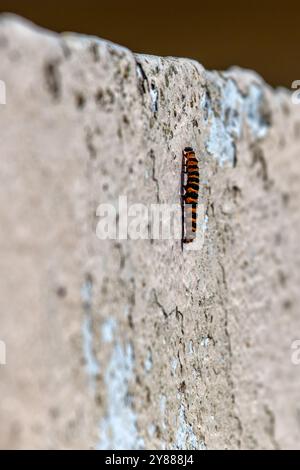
264,36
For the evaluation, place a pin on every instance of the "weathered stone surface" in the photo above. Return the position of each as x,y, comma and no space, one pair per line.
134,343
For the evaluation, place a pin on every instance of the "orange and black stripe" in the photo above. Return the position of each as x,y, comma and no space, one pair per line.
190,197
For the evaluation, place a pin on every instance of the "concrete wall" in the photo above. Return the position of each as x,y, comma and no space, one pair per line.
130,344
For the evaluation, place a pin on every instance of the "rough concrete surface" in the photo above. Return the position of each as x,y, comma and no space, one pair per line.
130,344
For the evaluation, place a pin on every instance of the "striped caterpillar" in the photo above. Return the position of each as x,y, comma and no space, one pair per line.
189,194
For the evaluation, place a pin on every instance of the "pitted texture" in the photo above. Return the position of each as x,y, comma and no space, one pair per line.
129,344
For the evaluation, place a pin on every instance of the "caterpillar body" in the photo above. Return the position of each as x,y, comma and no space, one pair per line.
189,194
